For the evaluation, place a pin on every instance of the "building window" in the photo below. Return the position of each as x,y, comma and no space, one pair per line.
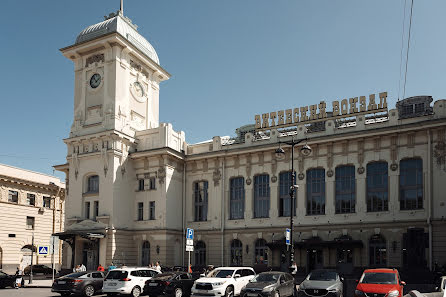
152,210
13,196
93,184
261,196
200,253
344,255
87,210
377,187
145,253
236,252
30,223
140,211
96,209
152,185
316,191
237,198
47,202
411,184
201,200
285,184
140,184
30,199
378,251
345,189
261,255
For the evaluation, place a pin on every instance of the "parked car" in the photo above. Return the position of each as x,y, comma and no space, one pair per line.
39,269
322,282
127,280
79,283
7,280
381,282
441,284
176,284
269,284
223,281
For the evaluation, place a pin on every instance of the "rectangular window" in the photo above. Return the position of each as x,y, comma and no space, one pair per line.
96,209
236,198
316,191
13,196
411,184
152,183
419,107
201,201
345,189
140,184
93,184
30,223
30,199
261,196
284,195
152,210
377,187
87,210
140,211
47,202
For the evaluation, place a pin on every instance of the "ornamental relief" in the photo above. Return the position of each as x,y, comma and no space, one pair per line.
440,154
94,59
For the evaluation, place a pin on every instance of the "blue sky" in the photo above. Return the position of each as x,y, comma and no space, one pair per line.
229,60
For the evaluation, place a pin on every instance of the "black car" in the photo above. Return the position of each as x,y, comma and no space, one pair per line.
39,269
86,283
7,280
176,283
269,284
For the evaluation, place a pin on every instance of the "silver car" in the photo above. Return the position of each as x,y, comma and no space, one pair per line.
321,283
269,284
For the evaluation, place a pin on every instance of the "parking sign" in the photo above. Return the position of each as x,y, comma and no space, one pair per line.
190,233
287,236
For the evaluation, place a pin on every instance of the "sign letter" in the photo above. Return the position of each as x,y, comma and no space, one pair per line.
353,107
280,120
303,114
258,123
344,106
335,108
289,116
265,123
372,104
322,113
313,109
272,116
296,115
383,100
362,104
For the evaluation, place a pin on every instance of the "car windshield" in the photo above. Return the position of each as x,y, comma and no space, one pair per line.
75,274
164,276
2,273
117,274
265,277
322,275
221,273
378,278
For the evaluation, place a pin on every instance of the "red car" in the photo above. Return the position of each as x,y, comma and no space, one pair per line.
382,282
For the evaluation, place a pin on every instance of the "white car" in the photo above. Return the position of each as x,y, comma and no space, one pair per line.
223,281
129,280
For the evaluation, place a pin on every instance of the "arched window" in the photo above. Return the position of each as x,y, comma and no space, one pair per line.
377,187
261,251
261,196
93,184
411,184
378,250
236,252
316,191
145,253
200,253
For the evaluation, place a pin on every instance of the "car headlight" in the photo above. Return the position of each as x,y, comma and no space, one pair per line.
359,293
393,293
333,290
301,287
268,288
218,284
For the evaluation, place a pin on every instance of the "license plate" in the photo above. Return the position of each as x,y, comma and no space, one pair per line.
112,284
252,294
61,282
153,284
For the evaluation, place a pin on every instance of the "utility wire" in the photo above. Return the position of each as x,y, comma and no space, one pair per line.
407,52
401,52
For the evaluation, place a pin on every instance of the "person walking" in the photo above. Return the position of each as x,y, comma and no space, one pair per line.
158,267
101,268
19,278
111,267
83,268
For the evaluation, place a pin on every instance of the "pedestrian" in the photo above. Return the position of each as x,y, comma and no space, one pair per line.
77,268
294,269
19,278
83,268
158,267
101,268
111,266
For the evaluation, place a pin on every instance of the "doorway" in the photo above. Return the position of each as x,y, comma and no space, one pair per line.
314,259
90,255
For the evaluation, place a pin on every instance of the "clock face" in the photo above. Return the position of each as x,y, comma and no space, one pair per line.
95,80
139,90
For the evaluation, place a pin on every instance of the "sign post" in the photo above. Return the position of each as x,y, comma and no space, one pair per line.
53,241
189,245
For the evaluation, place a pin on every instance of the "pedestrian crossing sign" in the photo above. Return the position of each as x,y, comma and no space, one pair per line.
43,250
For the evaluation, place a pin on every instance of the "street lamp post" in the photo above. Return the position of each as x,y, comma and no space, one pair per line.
305,150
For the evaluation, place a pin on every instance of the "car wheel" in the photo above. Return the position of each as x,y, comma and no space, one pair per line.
136,291
89,291
229,292
276,294
178,292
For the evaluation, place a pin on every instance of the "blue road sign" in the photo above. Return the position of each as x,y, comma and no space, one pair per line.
43,250
190,233
287,236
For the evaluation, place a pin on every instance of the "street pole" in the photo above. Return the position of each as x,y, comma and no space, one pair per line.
291,256
52,257
32,254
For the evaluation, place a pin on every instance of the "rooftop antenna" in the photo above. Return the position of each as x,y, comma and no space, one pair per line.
121,8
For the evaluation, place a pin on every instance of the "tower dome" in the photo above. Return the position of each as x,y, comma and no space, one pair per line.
117,23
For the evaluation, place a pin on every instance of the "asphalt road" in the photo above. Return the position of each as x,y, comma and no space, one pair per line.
31,292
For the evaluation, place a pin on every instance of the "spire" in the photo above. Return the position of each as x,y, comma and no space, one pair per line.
121,8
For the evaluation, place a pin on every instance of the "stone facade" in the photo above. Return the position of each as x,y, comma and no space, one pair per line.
30,203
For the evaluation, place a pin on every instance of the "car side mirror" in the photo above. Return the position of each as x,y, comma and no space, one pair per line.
237,276
403,283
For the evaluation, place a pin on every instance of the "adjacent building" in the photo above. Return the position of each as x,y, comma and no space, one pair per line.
31,204
370,192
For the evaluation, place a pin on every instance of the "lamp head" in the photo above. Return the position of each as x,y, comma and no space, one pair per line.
306,150
280,153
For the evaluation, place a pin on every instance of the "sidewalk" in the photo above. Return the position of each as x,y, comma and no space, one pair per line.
39,283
